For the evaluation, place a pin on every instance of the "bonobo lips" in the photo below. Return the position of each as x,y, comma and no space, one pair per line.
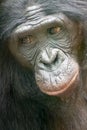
62,89
60,81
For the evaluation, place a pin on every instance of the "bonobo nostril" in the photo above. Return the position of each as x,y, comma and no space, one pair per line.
49,56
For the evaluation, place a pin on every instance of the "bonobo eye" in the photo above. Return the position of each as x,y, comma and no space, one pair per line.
54,30
26,40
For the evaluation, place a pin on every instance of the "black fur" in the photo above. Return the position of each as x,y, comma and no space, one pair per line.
22,105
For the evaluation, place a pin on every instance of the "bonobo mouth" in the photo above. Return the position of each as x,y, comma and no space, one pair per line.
59,82
62,89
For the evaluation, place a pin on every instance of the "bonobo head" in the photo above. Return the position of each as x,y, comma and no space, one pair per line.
48,42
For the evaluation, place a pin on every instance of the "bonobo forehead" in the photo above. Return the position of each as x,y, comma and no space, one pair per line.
25,9
46,7
36,17
42,21
34,12
38,11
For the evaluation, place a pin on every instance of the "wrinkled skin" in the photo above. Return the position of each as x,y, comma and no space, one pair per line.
48,47
43,65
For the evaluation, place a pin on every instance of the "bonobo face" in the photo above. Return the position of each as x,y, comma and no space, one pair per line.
48,43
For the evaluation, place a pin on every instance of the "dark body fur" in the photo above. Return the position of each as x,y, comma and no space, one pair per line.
22,105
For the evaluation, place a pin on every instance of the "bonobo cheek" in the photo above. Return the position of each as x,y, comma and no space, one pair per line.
58,81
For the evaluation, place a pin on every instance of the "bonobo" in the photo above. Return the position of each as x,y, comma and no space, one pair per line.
43,65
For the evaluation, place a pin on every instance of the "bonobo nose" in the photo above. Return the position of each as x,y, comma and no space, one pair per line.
49,56
51,59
